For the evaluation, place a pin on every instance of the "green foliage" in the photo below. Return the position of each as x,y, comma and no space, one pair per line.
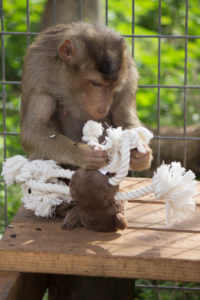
15,48
146,57
172,56
120,15
168,290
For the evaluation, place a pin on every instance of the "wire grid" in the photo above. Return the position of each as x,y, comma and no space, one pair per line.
157,286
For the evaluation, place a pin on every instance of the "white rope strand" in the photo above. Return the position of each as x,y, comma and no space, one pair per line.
43,191
48,187
123,164
134,194
62,173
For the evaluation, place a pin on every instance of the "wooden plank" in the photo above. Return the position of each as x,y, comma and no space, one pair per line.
7,281
145,250
147,212
135,183
71,287
29,286
144,215
21,286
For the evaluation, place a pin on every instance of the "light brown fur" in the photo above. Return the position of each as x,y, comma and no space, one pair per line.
73,73
59,93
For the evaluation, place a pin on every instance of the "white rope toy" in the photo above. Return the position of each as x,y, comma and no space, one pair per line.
170,183
43,191
118,144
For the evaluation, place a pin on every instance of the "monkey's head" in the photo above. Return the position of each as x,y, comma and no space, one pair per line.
96,59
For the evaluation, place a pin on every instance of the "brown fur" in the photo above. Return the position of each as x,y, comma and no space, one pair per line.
73,73
95,207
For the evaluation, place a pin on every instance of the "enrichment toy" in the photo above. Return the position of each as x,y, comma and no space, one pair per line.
99,203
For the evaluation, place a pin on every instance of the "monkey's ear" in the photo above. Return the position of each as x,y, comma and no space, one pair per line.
66,50
123,43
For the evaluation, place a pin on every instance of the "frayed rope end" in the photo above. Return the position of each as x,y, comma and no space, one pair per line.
177,187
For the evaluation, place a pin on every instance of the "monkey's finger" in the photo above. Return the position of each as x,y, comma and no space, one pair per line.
141,158
137,155
102,156
99,153
141,163
95,164
98,160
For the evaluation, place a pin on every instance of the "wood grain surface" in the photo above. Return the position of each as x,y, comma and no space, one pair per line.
146,249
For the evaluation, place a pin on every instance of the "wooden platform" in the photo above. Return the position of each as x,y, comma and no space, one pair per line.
145,250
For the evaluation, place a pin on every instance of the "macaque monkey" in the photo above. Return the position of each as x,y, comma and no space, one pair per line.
73,73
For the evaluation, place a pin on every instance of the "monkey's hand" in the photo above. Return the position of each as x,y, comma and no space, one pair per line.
141,161
90,158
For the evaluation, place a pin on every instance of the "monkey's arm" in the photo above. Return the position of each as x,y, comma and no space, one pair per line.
42,139
123,110
124,114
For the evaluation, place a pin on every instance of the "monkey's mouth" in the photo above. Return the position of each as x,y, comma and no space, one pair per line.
94,116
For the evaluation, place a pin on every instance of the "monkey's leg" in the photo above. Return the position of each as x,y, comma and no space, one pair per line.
71,219
63,208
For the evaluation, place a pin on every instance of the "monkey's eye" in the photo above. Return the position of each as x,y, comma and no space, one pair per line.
95,83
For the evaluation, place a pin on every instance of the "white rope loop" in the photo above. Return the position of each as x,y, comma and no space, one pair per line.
48,187
62,173
134,194
31,171
42,190
123,164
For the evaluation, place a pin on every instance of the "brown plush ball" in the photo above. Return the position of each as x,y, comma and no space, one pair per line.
95,206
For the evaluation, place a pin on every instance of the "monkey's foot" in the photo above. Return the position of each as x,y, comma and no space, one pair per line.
63,208
71,219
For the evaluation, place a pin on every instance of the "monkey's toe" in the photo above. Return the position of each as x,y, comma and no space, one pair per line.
71,219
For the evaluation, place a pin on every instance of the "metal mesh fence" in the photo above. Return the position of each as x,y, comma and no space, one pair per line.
6,134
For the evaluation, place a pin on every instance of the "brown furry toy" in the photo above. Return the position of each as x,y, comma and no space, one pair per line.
95,207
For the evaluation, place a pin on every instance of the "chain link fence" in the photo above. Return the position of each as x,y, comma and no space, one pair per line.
10,88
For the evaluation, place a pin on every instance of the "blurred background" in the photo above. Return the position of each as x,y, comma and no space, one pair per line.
164,39
168,98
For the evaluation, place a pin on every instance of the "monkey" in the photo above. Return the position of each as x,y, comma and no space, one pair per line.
73,73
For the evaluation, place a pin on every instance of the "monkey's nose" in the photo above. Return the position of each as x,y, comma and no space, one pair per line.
102,110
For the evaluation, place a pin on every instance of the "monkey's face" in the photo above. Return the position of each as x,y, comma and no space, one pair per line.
97,97
94,91
95,69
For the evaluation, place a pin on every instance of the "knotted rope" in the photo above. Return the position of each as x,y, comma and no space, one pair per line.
43,191
41,188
